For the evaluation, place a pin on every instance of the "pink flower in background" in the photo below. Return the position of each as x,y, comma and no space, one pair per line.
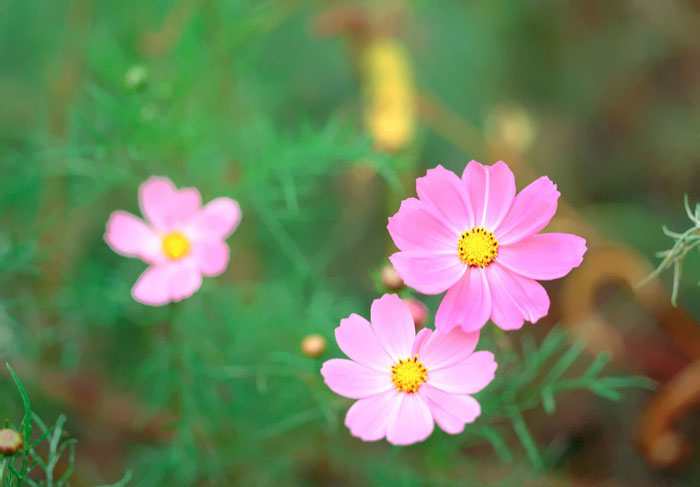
405,382
419,312
474,238
181,240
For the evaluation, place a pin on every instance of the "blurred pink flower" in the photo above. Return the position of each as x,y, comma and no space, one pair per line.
181,240
476,239
406,382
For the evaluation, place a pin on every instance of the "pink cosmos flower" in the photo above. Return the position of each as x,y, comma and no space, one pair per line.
181,240
476,239
406,382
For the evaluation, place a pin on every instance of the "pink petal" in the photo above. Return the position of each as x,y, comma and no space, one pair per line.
367,419
188,202
427,271
467,304
467,377
447,195
356,339
157,199
420,340
166,207
353,380
131,237
211,256
185,279
531,211
544,256
216,221
412,422
161,284
443,350
393,326
451,411
515,298
415,226
152,286
491,190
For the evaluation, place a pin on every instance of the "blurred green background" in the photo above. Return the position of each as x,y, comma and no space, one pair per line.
273,103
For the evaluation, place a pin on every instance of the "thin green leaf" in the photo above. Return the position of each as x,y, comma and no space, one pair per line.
497,443
38,460
121,483
31,482
71,461
605,392
564,362
41,438
526,439
686,203
597,365
551,344
37,420
26,421
548,400
627,382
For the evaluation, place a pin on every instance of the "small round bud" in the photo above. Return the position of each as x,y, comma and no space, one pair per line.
313,345
390,279
136,77
10,442
419,312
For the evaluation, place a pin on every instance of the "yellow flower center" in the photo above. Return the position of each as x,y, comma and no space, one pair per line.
477,247
175,245
408,374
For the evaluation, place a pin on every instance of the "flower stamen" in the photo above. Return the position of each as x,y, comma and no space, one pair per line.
477,247
176,245
408,374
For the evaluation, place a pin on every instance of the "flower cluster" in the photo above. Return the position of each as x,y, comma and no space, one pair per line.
476,239
471,236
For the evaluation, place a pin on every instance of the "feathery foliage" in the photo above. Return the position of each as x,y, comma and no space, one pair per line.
683,244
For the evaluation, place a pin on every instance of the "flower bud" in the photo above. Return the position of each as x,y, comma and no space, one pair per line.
10,442
313,345
390,279
419,312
